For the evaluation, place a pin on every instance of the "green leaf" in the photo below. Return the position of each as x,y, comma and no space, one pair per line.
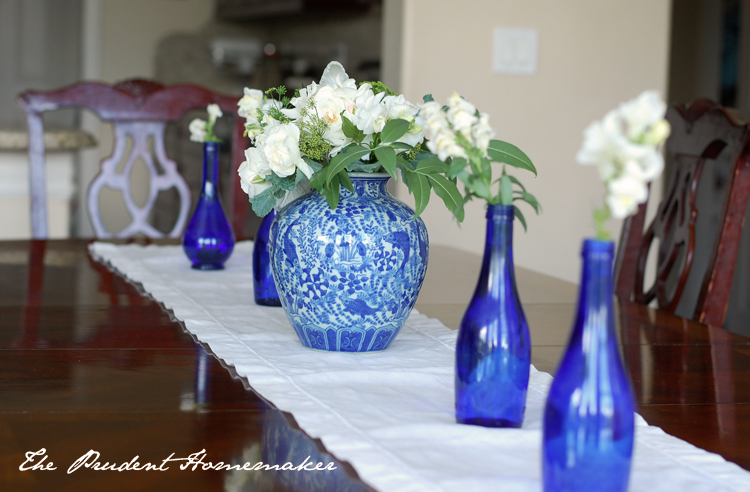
361,167
427,98
518,214
285,183
448,192
421,190
387,158
318,179
263,202
346,181
350,130
431,165
401,145
506,190
351,154
515,181
500,151
332,192
315,165
531,200
476,185
393,130
457,165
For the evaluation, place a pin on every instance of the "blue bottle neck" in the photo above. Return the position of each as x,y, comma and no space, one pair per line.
497,264
209,189
595,318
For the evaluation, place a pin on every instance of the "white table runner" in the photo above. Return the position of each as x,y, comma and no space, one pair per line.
389,414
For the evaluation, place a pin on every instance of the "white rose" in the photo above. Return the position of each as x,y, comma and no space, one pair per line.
397,107
197,129
214,112
370,113
461,114
624,194
329,104
280,148
335,76
251,173
250,103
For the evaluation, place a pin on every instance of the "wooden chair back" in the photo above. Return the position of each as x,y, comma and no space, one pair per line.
700,132
139,109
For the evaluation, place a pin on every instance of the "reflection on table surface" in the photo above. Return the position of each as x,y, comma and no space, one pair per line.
90,363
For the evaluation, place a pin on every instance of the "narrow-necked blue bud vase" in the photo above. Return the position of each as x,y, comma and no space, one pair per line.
263,284
493,352
208,240
589,415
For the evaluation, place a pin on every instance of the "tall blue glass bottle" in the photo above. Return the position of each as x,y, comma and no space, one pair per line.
589,415
263,283
493,352
208,240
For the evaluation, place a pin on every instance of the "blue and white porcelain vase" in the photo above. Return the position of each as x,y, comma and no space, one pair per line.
208,240
589,416
493,350
348,278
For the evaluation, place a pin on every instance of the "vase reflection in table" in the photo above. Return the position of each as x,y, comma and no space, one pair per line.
589,416
493,351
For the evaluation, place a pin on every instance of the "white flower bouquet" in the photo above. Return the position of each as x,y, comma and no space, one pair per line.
624,146
328,129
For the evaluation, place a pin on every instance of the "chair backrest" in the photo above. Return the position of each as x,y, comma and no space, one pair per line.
141,110
700,132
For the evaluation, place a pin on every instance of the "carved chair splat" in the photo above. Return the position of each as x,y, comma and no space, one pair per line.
700,132
139,109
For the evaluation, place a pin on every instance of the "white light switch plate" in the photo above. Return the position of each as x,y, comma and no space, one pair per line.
515,51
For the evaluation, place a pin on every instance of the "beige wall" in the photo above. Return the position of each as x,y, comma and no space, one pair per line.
592,55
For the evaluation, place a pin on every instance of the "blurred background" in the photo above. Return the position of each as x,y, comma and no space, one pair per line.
542,69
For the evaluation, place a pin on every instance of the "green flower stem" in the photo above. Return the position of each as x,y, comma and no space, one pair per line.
601,216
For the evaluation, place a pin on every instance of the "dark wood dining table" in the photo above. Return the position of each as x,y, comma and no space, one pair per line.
88,362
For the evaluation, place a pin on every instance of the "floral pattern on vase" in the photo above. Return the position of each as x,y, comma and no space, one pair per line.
348,278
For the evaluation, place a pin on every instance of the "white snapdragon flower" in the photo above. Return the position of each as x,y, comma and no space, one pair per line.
641,114
214,112
252,172
624,148
624,194
197,129
279,147
461,114
250,103
482,133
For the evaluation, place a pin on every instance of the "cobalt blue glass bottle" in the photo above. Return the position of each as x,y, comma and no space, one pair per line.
493,351
208,240
589,415
263,283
